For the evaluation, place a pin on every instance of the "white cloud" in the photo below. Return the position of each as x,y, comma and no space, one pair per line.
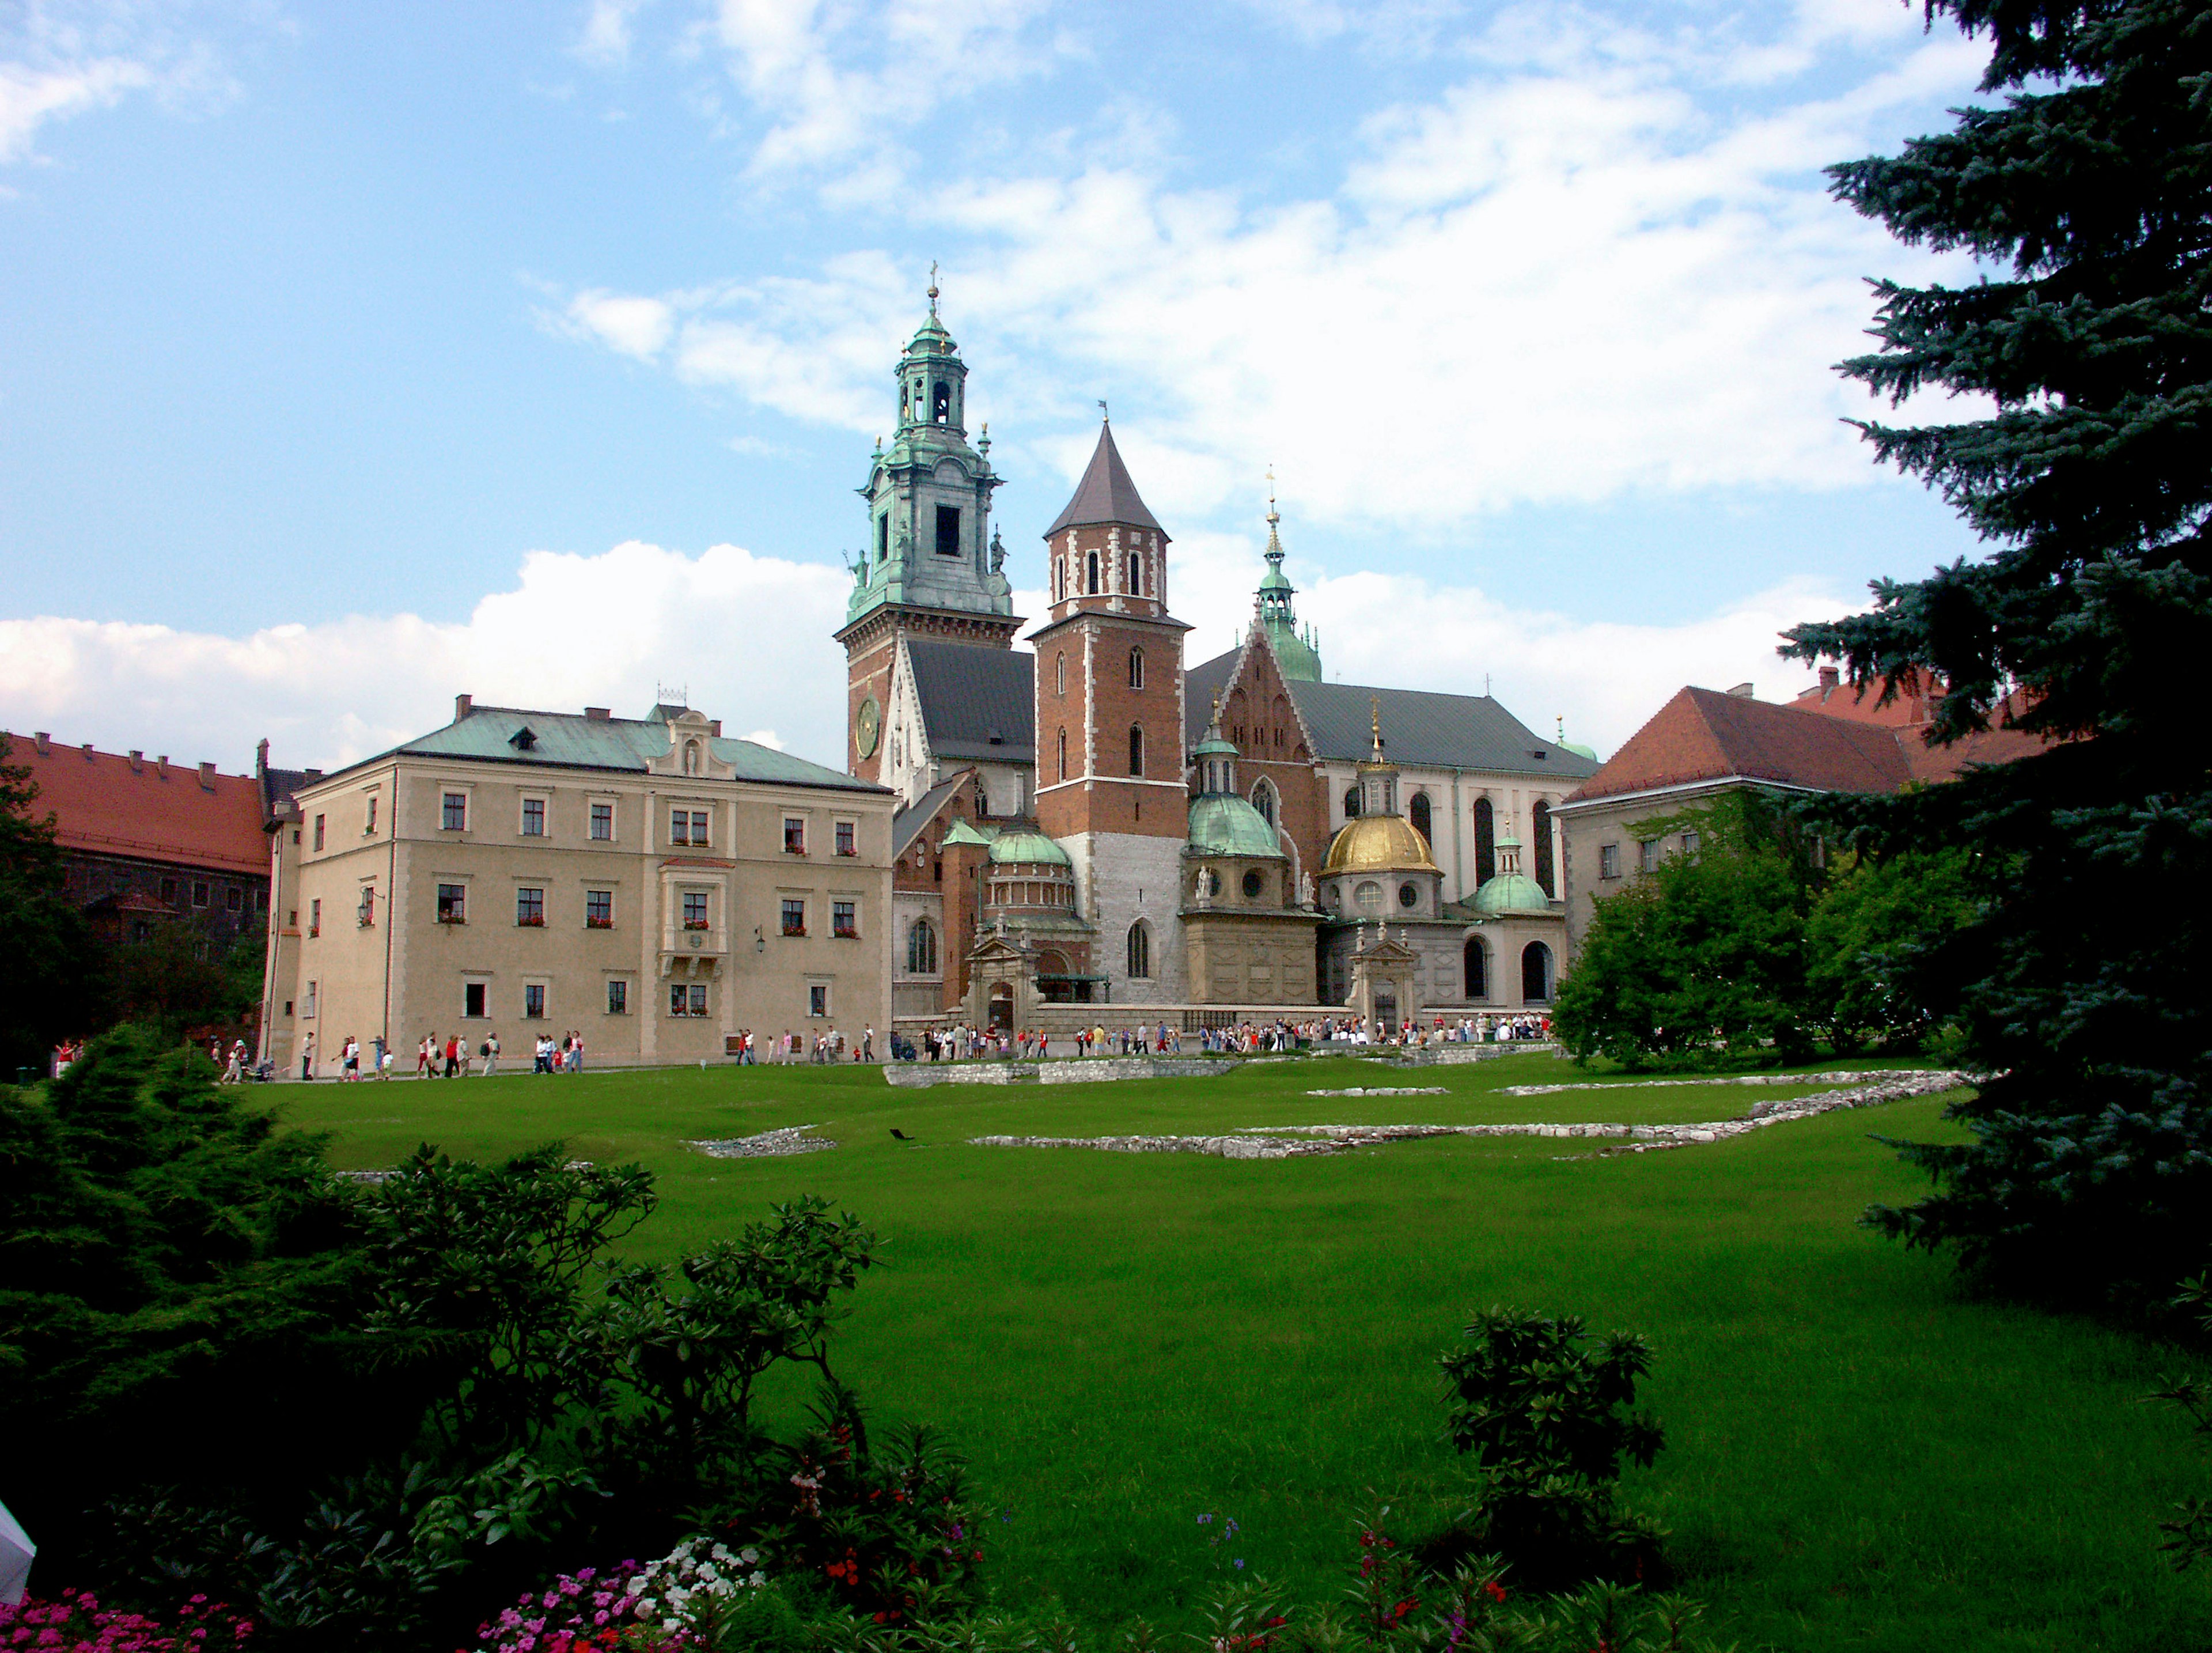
605,40
65,57
1581,272
748,636
32,96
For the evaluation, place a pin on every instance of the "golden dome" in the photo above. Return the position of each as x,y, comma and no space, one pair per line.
1378,843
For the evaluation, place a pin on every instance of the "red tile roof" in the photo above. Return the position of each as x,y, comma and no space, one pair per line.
104,804
1704,735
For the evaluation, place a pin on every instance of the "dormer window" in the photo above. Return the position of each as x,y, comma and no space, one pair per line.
523,739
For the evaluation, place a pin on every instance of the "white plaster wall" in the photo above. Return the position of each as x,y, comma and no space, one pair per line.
1121,877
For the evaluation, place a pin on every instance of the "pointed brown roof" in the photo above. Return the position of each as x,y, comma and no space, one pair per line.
1702,735
1105,494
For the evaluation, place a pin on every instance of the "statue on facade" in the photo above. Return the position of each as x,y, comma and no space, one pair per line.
1305,889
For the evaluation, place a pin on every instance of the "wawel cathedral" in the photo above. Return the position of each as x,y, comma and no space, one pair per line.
1099,823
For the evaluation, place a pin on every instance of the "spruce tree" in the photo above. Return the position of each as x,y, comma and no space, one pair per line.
2086,194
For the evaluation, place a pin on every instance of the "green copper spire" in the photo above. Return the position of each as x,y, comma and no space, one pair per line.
1295,656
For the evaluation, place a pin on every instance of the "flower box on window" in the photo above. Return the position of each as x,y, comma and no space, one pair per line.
536,923
446,918
598,924
794,929
695,924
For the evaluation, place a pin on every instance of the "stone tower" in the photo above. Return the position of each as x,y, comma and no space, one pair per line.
932,568
1110,765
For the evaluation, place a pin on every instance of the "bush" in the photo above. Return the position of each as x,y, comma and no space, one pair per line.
1545,1418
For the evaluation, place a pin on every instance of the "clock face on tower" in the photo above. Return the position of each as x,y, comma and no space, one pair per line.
868,726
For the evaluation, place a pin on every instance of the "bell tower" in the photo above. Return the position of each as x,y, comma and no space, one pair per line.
1110,785
932,567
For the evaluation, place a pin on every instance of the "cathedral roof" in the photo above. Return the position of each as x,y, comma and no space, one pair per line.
1427,730
1105,494
976,704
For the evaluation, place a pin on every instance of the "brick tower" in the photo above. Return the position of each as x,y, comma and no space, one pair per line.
1109,758
932,568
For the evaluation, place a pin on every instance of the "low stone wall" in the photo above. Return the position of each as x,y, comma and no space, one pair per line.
1071,1070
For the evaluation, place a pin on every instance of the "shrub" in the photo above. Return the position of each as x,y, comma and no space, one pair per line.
75,1622
1545,1418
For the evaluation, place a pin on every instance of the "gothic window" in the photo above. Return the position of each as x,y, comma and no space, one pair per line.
1136,586
1418,812
1136,668
982,803
1091,569
922,949
1540,823
1263,799
1140,950
948,531
1063,754
1350,802
1485,842
1136,749
1535,974
940,403
1476,963
1060,673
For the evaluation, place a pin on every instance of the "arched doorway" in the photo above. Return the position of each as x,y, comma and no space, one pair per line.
1002,1005
1476,960
1386,1012
1536,973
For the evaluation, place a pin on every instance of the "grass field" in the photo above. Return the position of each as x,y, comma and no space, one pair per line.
1857,1456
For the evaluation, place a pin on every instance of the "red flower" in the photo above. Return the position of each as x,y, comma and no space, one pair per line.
1497,1590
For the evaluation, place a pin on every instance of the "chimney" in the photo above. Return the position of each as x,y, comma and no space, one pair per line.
162,766
207,777
315,775
42,740
1743,692
261,758
597,713
461,704
715,728
88,751
1829,677
138,761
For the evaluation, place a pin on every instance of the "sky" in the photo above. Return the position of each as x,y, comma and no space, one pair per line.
356,355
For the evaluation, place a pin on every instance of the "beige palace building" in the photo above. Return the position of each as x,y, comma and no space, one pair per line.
646,882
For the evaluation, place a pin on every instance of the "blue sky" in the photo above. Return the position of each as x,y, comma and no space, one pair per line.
353,355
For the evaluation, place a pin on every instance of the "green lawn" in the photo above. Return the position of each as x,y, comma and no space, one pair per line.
1858,1457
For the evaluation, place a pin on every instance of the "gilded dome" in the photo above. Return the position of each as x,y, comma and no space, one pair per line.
1378,843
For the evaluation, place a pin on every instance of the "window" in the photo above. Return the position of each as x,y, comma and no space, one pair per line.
235,900
1647,854
1690,842
1485,842
847,836
199,892
600,910
318,832
453,812
695,910
1350,802
794,916
368,827
603,823
1263,799
817,1000
1476,965
1140,951
940,404
1136,668
1540,821
1409,895
1535,973
1417,812
687,999
533,1001
922,949
948,531
452,903
1608,861
883,537
1063,754
533,817
1091,569
1059,674
1135,587
618,997
845,919
1369,896
795,836
473,994
315,917
168,890
307,1004
679,827
530,908
698,997
698,829
1136,749
1254,884
982,801
365,914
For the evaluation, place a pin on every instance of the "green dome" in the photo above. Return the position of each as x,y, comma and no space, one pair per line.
1214,746
1027,847
1511,892
1223,824
1579,750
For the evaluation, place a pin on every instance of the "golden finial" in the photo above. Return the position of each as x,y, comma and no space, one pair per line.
1375,705
932,286
1272,518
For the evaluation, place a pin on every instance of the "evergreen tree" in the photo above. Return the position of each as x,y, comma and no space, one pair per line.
2082,980
44,953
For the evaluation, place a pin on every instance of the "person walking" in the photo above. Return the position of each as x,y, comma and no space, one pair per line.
307,1058
349,1058
868,1043
576,1051
491,1053
453,1055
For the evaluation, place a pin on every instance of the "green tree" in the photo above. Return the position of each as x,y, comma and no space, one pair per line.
1704,954
2082,980
44,953
1877,942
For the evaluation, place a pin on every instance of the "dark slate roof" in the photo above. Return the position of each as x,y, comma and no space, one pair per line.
969,694
570,740
1420,728
1704,735
920,812
1105,494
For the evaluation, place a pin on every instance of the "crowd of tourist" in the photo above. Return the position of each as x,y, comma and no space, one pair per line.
961,1042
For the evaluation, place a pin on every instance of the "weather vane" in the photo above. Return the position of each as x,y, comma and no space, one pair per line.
1103,414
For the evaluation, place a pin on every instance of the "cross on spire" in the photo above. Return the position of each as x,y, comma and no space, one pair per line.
932,286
